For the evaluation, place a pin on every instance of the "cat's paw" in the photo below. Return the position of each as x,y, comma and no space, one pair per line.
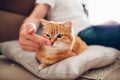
41,66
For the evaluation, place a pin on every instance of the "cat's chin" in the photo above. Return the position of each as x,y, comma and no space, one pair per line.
61,47
58,47
51,46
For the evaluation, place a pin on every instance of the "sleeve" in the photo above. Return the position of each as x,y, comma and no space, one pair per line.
51,3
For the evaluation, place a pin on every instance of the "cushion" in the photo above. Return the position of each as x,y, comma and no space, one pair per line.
102,35
70,68
110,72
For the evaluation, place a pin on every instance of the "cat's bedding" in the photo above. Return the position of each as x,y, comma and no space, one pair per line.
102,73
71,68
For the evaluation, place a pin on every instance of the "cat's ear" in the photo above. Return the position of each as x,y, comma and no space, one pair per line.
68,25
44,22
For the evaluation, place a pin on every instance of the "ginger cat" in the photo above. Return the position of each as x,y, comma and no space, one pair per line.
64,43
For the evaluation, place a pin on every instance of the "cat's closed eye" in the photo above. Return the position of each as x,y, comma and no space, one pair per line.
59,35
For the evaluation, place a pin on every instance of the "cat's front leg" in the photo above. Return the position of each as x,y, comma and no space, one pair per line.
42,66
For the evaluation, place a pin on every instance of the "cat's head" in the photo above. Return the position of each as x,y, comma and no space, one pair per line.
59,33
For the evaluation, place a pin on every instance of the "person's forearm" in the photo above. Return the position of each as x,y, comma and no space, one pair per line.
39,12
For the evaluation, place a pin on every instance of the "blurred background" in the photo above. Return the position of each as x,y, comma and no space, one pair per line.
101,11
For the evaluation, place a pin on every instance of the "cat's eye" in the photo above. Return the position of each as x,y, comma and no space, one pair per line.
47,35
59,35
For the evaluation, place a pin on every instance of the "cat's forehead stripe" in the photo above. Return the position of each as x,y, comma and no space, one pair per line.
55,28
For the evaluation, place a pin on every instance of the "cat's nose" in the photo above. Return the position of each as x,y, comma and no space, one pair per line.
52,43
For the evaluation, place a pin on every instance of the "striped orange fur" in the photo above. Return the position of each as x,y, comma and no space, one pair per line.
64,43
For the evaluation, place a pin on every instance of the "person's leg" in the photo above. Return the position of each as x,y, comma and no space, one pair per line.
106,35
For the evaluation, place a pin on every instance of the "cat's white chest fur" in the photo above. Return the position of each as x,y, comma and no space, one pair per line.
49,50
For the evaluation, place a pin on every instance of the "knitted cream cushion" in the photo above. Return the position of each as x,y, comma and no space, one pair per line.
70,68
104,72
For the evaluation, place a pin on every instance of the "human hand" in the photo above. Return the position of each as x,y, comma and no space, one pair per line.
30,41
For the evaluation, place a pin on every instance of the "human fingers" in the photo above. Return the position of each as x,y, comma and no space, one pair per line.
25,35
41,39
31,28
26,42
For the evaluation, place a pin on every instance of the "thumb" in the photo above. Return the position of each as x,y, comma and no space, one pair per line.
31,28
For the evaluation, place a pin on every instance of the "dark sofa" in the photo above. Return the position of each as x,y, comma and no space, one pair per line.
12,14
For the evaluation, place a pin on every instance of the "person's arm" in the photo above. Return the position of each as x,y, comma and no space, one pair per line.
39,12
28,40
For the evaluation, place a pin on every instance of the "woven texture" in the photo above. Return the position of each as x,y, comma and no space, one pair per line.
102,73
